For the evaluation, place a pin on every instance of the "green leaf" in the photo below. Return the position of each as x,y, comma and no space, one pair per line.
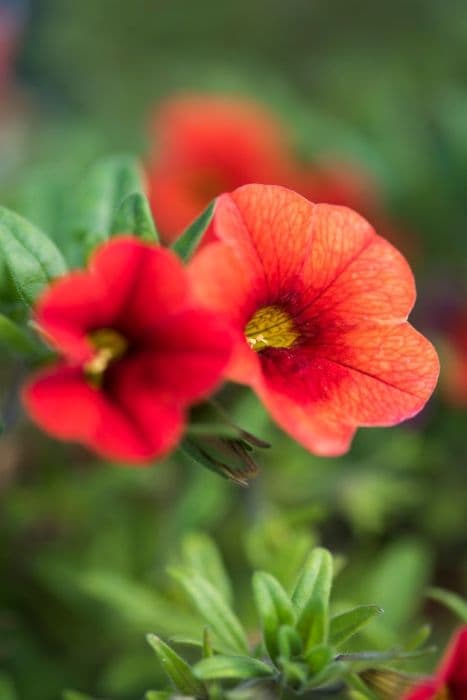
106,184
232,667
74,695
186,244
396,580
16,339
202,555
318,658
367,659
274,609
311,597
176,668
344,626
7,689
32,259
289,642
418,638
450,600
295,675
158,695
214,610
134,216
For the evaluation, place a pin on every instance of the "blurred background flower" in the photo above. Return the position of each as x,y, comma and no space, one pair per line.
371,105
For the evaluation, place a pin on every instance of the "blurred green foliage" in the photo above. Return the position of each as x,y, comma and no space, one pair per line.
84,546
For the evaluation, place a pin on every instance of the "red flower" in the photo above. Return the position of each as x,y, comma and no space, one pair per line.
206,146
136,351
450,682
318,303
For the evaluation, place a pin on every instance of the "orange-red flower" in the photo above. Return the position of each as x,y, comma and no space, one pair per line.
206,145
450,682
318,304
135,350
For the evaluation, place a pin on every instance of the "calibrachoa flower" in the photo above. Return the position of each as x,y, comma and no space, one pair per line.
318,304
206,145
450,682
135,352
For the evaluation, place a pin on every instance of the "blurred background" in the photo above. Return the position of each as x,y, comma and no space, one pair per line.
371,99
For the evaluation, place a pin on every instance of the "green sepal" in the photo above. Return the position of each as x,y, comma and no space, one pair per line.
176,668
274,608
215,611
229,458
342,627
134,216
188,241
242,668
32,259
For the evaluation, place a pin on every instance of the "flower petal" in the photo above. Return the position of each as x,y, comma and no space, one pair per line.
190,352
369,375
353,272
68,310
67,407
454,665
143,281
311,429
270,227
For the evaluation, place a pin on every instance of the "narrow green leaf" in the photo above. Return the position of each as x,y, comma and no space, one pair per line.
451,600
202,555
176,668
274,609
16,339
186,244
214,610
74,695
367,659
100,194
311,598
32,259
318,563
134,216
318,658
7,689
158,695
418,638
289,642
295,675
344,626
232,667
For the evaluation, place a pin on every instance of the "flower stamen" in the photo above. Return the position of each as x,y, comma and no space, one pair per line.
110,346
271,327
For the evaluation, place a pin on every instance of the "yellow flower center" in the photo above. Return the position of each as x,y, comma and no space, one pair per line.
271,327
443,694
109,346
